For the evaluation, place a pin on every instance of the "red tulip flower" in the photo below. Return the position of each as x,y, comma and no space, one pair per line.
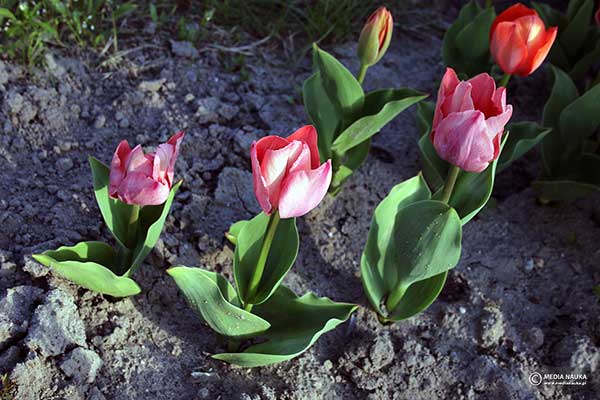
375,36
469,120
143,179
288,174
519,41
597,15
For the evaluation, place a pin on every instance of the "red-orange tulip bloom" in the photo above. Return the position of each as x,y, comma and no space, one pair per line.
519,41
597,15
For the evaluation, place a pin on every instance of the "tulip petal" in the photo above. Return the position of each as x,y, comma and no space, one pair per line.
270,142
510,14
117,167
495,125
447,86
461,139
303,190
482,95
540,55
460,100
260,188
303,162
138,188
174,141
274,166
308,134
508,47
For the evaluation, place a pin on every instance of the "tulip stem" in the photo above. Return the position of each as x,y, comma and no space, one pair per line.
504,81
132,227
262,258
449,185
361,73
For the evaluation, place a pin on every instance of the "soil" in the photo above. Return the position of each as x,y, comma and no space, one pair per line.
520,301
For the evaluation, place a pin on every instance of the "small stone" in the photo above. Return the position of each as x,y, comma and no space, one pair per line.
64,164
529,265
328,365
3,74
535,337
124,123
82,365
189,98
207,110
492,327
183,49
32,377
14,102
34,268
151,86
381,352
203,393
235,189
228,111
56,325
16,310
99,121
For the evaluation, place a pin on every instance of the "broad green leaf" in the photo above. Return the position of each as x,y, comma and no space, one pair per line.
321,112
282,255
114,212
564,92
214,299
351,161
473,190
89,264
340,85
234,231
393,102
296,324
425,113
409,243
465,43
473,39
549,15
152,220
564,190
583,65
523,137
579,16
579,120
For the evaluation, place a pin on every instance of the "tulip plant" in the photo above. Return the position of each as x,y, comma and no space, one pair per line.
289,181
134,197
415,236
570,153
577,47
345,117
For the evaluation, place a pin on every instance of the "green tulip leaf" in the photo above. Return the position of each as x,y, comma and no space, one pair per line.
582,66
425,113
341,86
434,169
523,137
384,105
152,219
215,301
296,324
411,245
580,119
351,161
549,15
321,112
472,190
564,190
114,212
465,46
234,231
89,265
282,255
579,15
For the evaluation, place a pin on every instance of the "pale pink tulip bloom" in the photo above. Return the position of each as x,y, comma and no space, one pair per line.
288,174
469,121
143,179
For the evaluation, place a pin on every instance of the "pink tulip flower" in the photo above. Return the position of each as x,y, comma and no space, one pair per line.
288,174
469,120
143,179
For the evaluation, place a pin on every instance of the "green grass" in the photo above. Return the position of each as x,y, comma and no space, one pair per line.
29,28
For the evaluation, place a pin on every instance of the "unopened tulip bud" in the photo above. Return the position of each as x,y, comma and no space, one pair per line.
375,37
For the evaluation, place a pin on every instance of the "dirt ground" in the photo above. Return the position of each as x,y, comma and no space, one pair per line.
520,301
